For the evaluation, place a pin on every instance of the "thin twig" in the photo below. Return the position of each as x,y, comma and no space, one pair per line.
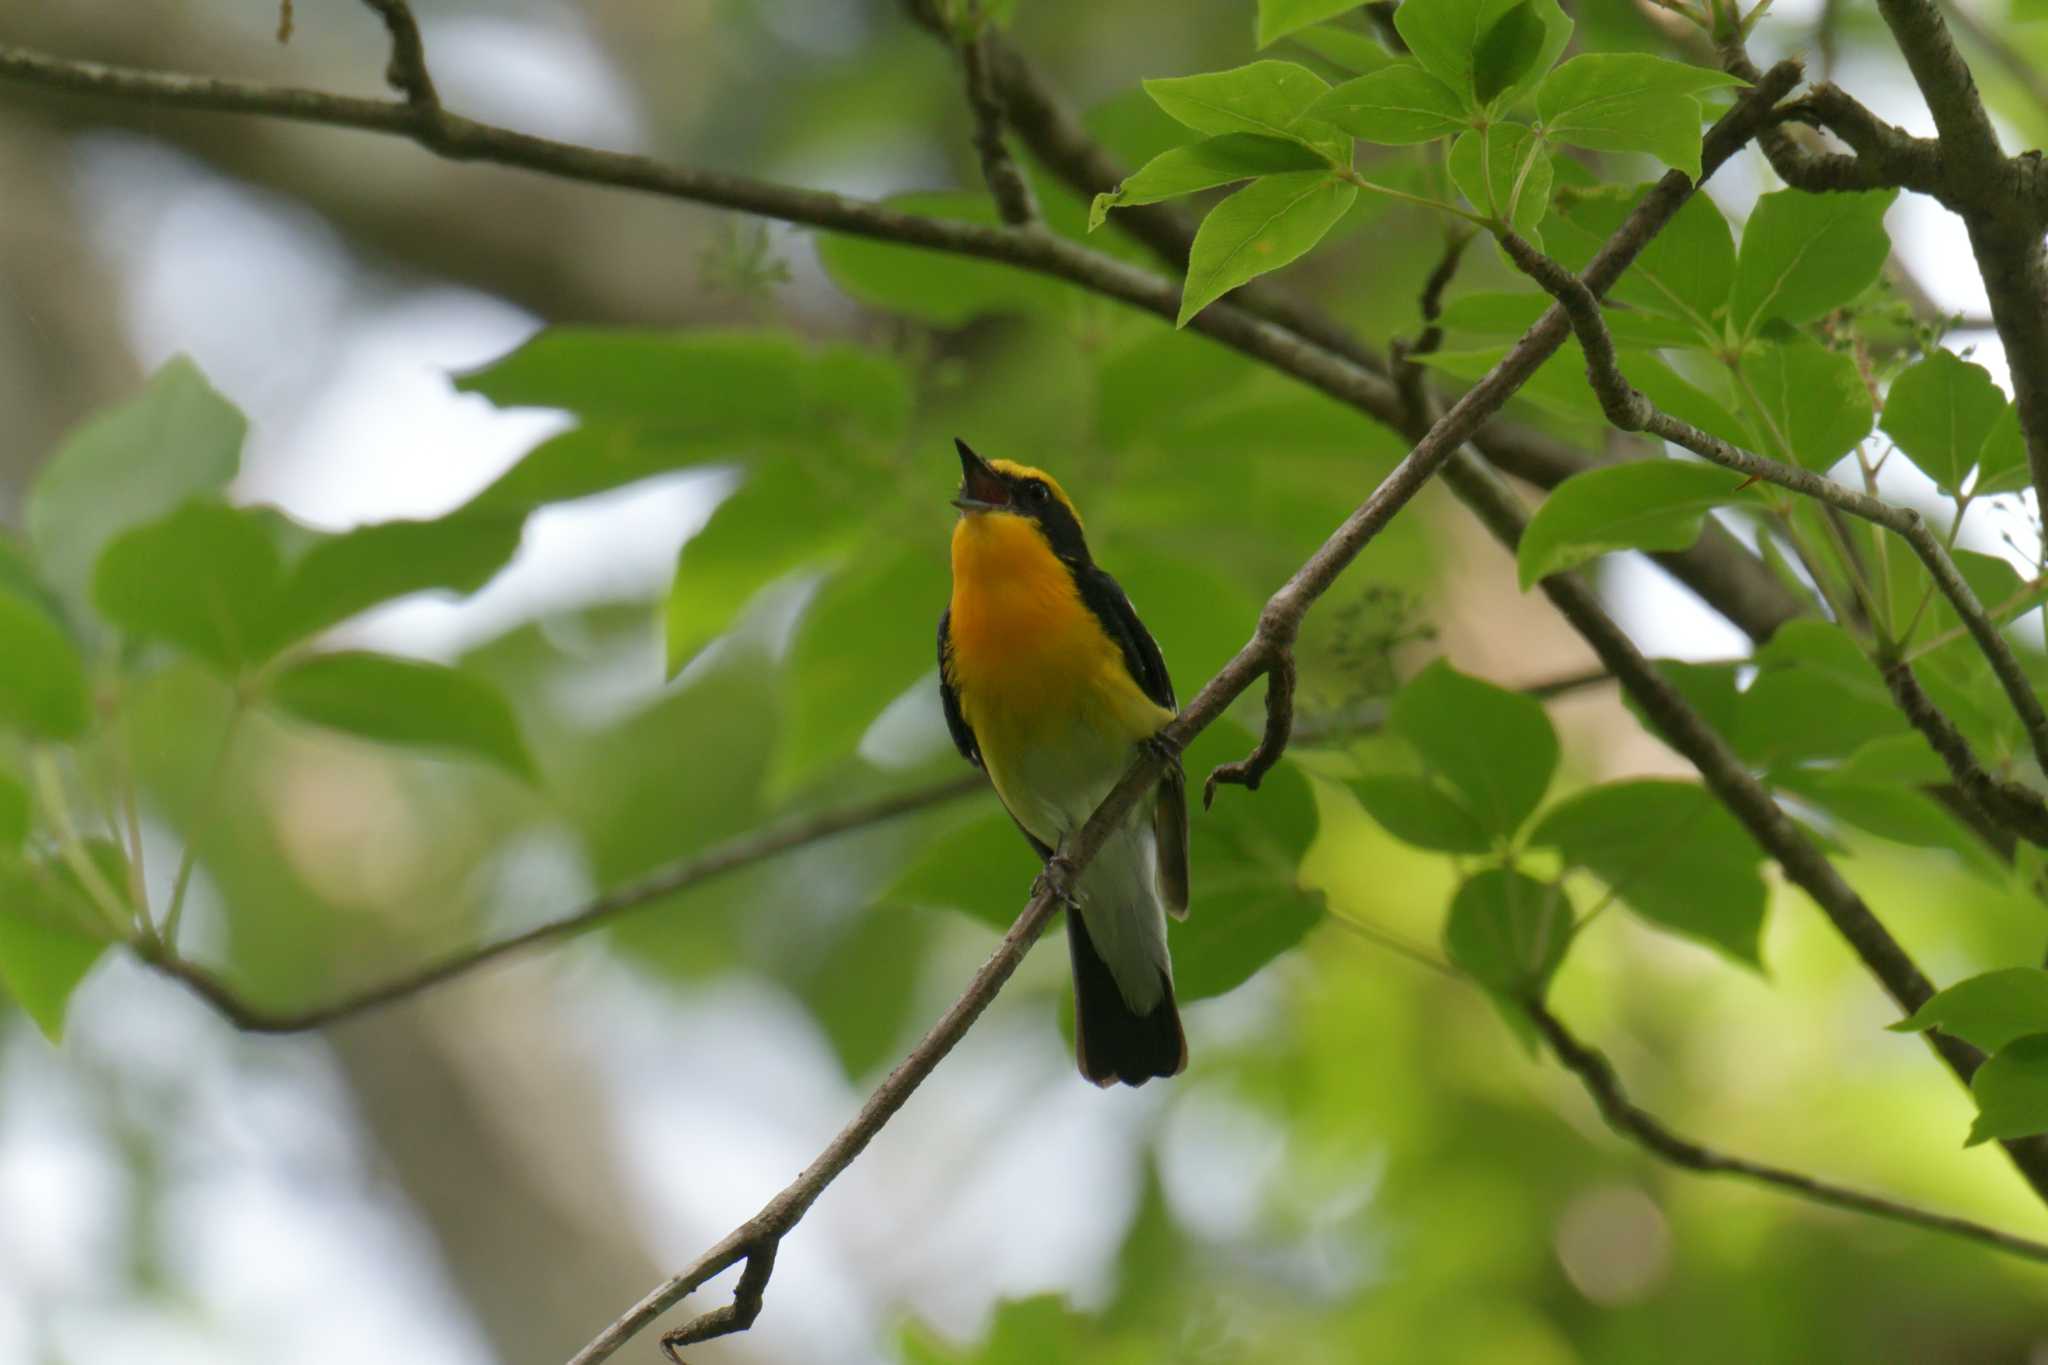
1006,183
1635,1124
1731,782
1644,1129
2013,806
1628,408
2003,201
2021,68
716,861
730,856
1249,771
407,72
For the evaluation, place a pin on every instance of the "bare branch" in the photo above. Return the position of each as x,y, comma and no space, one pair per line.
1626,407
713,862
1012,192
407,73
1648,1132
2011,805
2018,66
1249,771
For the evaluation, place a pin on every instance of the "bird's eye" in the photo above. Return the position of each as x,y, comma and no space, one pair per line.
1036,494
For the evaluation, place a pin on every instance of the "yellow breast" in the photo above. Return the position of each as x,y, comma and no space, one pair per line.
1029,659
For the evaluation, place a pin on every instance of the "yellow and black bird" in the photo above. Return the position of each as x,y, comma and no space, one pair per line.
1049,680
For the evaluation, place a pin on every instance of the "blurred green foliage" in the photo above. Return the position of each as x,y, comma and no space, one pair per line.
1437,1193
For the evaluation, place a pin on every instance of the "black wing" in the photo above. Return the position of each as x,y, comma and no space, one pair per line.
1141,655
963,733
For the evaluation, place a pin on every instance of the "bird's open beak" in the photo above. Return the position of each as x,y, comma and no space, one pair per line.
981,488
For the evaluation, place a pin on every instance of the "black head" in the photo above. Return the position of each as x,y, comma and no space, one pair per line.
1006,488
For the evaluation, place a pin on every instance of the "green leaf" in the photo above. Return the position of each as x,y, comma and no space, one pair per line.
2012,1091
1685,272
14,813
1815,698
205,578
1642,505
1416,811
865,638
1148,390
45,951
1506,165
1279,18
1629,102
1672,853
1815,405
342,575
1508,931
1804,255
1269,98
1942,412
1204,165
1262,227
2002,464
1987,1011
1494,747
1891,811
594,459
1246,903
979,865
1447,36
404,702
1395,105
1345,48
786,514
1500,314
703,386
943,289
19,577
1902,760
1506,51
1796,715
128,465
42,687
863,990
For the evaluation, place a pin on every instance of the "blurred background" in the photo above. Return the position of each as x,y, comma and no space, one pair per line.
1362,1163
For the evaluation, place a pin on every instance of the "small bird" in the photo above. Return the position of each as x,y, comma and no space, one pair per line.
1048,680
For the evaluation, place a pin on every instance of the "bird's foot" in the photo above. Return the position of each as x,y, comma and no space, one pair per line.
1056,879
1161,748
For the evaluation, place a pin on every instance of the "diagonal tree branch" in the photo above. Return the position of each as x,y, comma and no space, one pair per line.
1628,408
714,862
1732,783
1644,1129
1718,568
459,138
2002,201
1006,184
730,856
1279,622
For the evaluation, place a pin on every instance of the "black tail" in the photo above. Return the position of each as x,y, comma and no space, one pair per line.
1110,1042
